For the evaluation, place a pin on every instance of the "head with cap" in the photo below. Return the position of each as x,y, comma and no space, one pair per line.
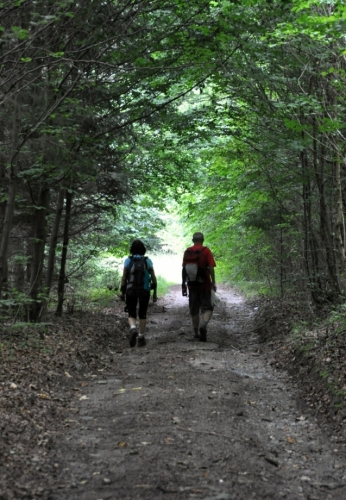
198,237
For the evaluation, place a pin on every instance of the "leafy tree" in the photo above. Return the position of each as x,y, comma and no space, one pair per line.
79,77
277,179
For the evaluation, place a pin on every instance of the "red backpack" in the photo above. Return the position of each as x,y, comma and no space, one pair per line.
195,269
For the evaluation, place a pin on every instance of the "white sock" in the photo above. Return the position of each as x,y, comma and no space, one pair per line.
141,335
132,326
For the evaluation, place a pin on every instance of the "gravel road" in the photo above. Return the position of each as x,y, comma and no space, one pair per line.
181,419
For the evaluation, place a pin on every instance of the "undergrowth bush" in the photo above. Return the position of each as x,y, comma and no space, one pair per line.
96,285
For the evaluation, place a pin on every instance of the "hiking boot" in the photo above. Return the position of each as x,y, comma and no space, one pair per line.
141,342
203,334
196,336
133,338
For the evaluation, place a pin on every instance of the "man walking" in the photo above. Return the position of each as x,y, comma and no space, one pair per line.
199,274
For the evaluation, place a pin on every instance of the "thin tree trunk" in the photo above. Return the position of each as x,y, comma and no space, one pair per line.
62,274
324,221
3,182
54,241
340,223
281,257
11,200
52,251
310,244
19,272
38,253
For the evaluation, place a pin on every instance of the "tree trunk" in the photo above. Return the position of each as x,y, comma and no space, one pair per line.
52,251
3,182
62,274
54,241
310,244
340,223
11,200
38,254
281,257
325,230
18,249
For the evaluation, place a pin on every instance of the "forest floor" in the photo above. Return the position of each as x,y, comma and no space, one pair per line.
244,415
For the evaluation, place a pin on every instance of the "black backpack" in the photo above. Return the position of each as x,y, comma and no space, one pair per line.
136,273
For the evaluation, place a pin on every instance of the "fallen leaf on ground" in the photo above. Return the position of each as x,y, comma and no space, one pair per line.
291,440
43,396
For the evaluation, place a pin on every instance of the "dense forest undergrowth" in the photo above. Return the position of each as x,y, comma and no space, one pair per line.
311,348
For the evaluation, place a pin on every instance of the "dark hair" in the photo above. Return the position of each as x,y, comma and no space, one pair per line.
137,248
198,237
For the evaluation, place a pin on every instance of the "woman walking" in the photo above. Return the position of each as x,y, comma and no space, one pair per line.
137,281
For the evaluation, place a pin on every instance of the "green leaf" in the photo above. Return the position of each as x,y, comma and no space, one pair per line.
57,54
20,33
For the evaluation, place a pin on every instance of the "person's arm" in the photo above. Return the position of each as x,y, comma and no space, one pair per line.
123,283
211,268
183,283
183,276
154,283
212,276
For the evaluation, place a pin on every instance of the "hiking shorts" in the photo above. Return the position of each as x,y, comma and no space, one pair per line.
138,298
199,301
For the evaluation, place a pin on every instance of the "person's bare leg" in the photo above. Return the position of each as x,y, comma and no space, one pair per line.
141,338
133,331
132,322
142,326
206,317
195,324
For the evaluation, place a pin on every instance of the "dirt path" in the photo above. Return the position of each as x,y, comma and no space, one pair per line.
180,419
